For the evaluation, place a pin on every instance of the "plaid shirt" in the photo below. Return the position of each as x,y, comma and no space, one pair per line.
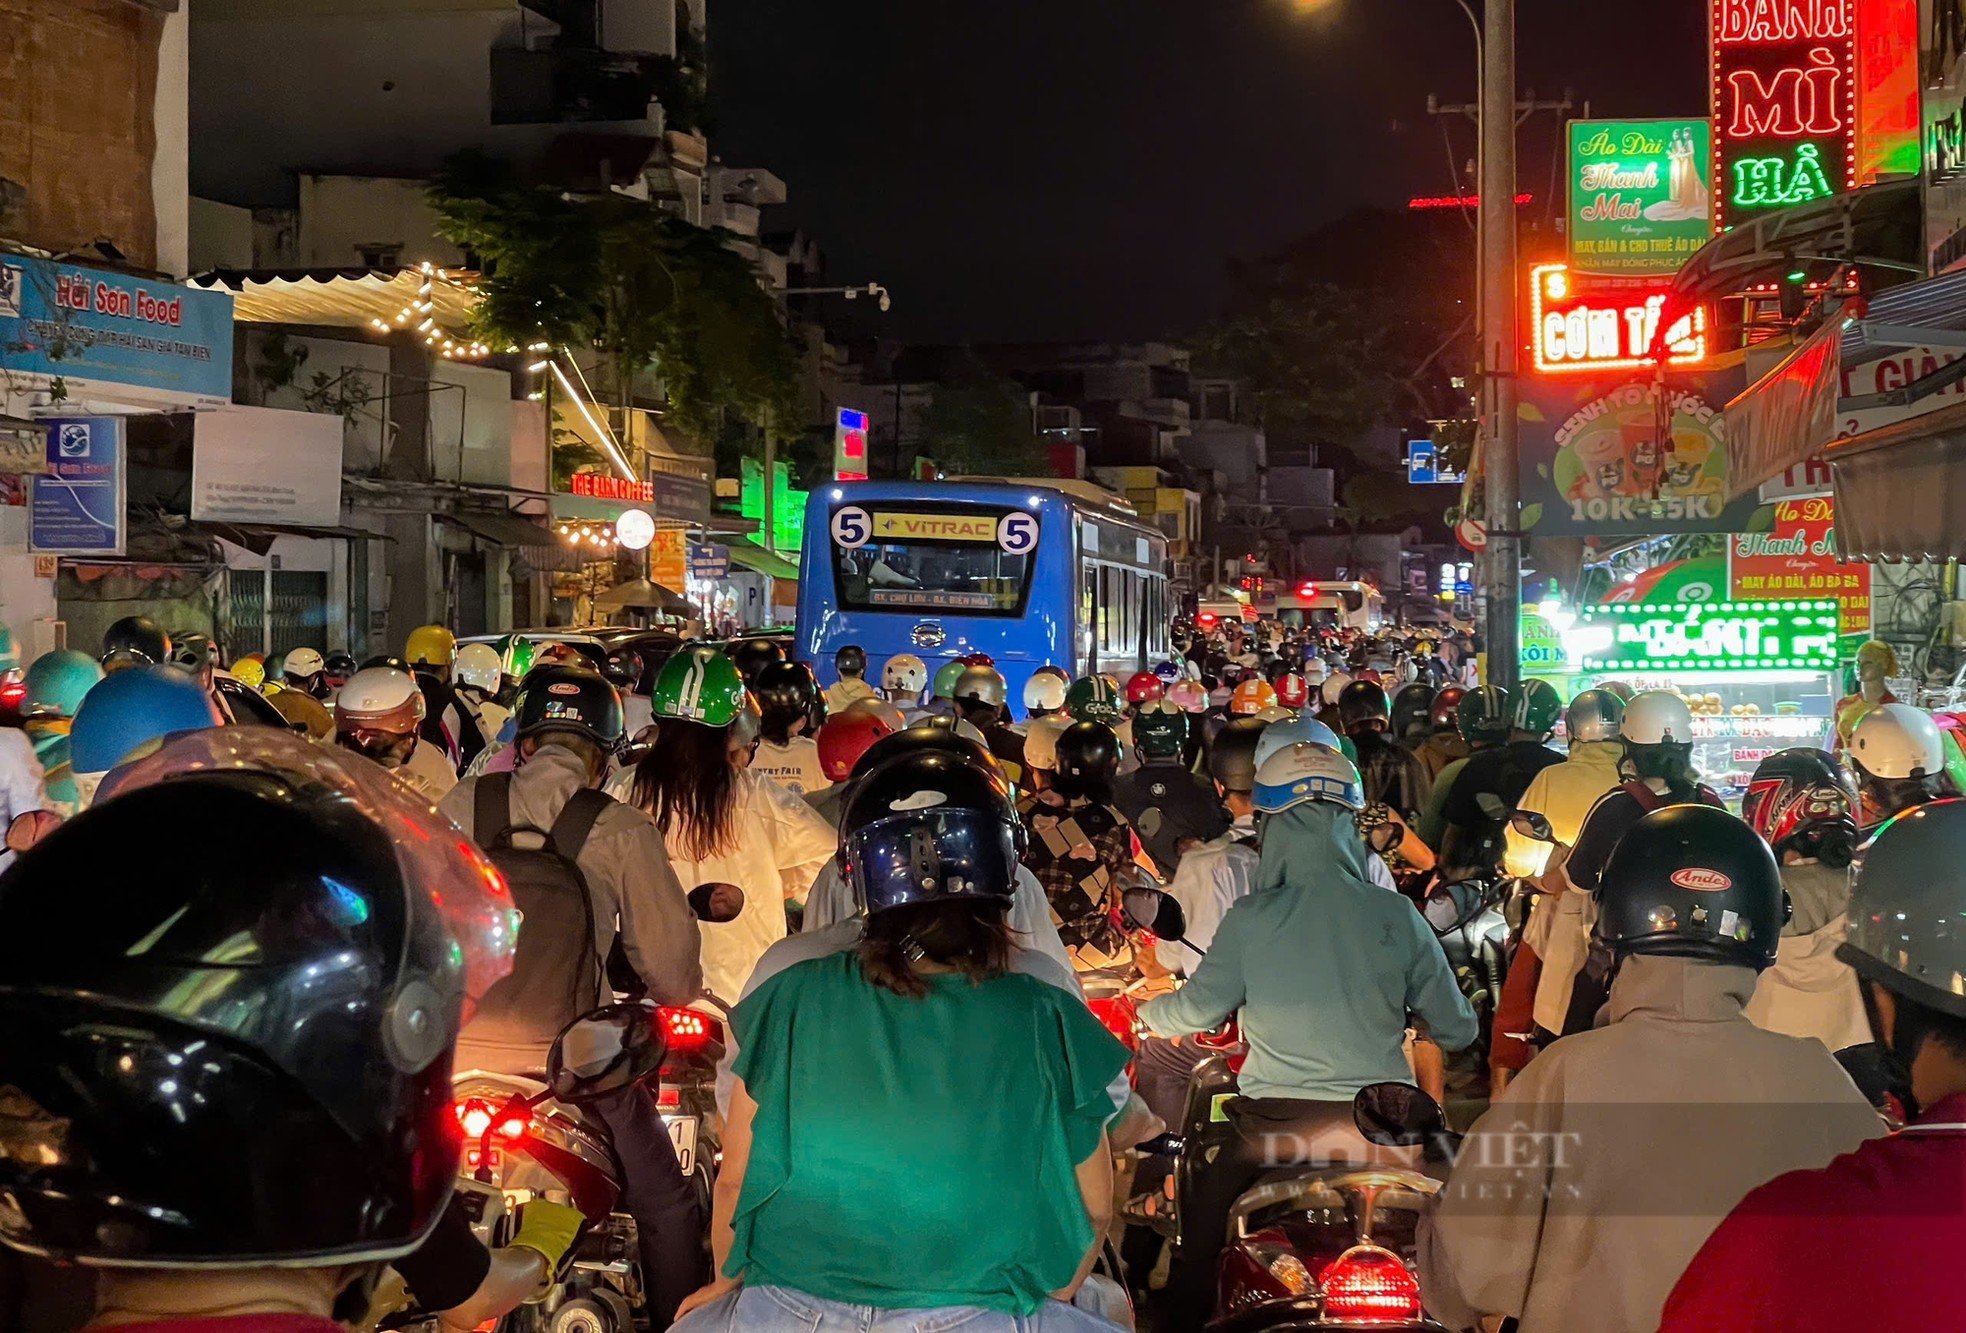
1077,853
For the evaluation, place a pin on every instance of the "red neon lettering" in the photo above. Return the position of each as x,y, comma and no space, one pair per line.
600,486
1768,21
1795,103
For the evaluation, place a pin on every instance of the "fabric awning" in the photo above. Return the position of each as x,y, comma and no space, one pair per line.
749,555
643,595
1878,229
505,529
1901,489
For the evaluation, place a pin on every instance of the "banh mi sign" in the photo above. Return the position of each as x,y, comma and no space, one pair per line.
890,526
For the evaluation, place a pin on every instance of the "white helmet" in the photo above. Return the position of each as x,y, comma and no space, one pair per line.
1897,741
1334,685
1314,671
304,662
1041,742
1044,692
904,676
1657,717
1301,729
379,699
479,666
979,685
1302,773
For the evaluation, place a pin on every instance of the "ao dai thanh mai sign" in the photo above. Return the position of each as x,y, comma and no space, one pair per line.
1784,89
1639,202
1796,557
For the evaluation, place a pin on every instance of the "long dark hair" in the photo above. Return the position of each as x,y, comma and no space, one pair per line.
971,935
688,784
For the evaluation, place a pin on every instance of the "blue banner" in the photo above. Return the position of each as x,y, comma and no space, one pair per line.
77,508
108,328
709,563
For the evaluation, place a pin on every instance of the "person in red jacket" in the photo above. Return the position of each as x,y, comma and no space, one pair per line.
1872,1240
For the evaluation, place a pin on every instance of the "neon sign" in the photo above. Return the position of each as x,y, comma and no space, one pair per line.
1599,327
1708,636
1784,86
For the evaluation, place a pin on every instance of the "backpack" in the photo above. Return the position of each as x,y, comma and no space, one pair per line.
557,972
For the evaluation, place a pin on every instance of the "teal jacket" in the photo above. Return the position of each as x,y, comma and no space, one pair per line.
1324,968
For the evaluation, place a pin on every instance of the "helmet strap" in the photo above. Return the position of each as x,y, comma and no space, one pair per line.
1900,1045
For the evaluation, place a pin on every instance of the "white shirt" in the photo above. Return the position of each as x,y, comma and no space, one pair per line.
793,765
1208,881
428,770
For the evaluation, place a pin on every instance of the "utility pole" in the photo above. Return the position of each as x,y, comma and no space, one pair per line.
1502,572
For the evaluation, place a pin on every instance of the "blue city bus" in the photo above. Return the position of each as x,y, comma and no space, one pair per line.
1028,573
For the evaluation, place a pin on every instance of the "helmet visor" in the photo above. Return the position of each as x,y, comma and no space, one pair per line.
930,855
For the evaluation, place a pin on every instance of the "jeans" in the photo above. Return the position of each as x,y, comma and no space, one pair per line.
669,1221
783,1310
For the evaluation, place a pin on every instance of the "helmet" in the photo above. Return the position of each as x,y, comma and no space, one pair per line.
1446,714
1594,715
1044,692
623,668
1160,730
250,672
517,653
339,666
845,737
1167,672
1413,711
57,683
1332,686
1802,800
176,1124
1657,717
748,725
1303,729
785,691
981,685
1302,773
1622,689
129,711
383,700
928,827
560,652
1535,705
275,667
1897,741
305,714
1292,692
1903,918
135,639
851,660
1190,696
750,656
1252,696
1692,881
1314,670
1093,699
1143,687
880,708
477,665
431,646
945,679
699,685
563,698
1041,742
1088,752
1232,754
905,675
944,735
379,660
303,664
192,652
1484,716
977,659
1364,704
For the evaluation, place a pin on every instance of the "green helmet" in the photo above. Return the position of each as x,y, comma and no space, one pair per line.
57,681
1095,699
1160,730
516,653
1536,705
699,685
1485,716
946,676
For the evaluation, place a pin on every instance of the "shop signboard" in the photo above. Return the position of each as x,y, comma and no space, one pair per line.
850,445
105,331
676,498
1785,118
1639,199
709,563
1585,323
77,506
1796,557
1658,639
669,558
1617,455
265,465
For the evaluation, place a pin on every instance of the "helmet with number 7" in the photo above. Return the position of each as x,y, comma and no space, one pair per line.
1093,699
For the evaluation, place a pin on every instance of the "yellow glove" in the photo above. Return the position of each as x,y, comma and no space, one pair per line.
548,1228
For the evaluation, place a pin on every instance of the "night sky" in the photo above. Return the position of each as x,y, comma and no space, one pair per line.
1037,169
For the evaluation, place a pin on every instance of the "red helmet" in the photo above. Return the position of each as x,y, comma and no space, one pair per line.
1292,692
845,737
977,659
1144,687
1446,712
1376,677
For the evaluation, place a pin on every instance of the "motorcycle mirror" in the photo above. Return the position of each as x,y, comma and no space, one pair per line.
1386,836
1396,1115
1531,824
1491,805
1152,910
29,827
716,902
605,1050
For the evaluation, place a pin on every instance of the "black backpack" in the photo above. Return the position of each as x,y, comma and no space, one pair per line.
557,973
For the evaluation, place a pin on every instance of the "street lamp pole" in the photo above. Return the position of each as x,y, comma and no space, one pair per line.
1502,571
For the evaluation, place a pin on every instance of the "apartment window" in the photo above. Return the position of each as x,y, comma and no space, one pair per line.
379,255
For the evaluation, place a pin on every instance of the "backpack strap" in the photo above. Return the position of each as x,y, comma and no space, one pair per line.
491,810
576,821
1648,800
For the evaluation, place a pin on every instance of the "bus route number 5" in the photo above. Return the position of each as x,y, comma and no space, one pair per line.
851,527
1017,533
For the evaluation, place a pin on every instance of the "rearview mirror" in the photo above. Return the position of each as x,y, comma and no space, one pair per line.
716,902
604,1051
1396,1115
1152,910
29,827
1384,837
1531,824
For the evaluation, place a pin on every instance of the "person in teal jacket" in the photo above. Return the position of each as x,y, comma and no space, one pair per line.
1325,969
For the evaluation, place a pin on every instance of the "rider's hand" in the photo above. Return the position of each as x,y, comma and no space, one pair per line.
549,1228
703,1296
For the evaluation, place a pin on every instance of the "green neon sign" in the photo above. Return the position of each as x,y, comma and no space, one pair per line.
1712,636
1765,182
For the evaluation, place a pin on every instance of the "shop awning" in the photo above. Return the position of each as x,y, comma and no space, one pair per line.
749,555
1901,489
1878,230
643,595
259,537
505,529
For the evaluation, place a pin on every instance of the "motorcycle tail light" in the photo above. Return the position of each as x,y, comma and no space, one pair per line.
491,1159
473,1116
1368,1285
669,1099
687,1031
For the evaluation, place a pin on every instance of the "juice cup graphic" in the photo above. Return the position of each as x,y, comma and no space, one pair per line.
1692,449
1639,437
1601,454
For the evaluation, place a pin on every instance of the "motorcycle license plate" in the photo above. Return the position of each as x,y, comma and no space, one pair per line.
682,1133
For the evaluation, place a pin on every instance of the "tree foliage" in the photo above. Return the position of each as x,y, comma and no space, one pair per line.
981,426
1311,362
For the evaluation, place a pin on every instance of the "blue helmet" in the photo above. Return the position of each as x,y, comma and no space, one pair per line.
130,709
1303,729
1305,773
57,682
1168,671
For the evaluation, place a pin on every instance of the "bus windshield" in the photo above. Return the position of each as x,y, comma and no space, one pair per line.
972,578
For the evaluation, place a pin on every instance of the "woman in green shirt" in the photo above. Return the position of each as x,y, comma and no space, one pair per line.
916,1137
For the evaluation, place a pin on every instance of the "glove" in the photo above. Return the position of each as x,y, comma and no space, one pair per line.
549,1229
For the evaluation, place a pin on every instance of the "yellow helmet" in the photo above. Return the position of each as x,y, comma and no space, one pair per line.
431,645
250,672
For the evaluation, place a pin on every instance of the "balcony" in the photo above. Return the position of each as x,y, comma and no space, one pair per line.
740,218
563,85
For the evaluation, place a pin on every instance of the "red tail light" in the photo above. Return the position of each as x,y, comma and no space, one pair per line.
1368,1285
687,1031
13,695
476,1116
1118,1014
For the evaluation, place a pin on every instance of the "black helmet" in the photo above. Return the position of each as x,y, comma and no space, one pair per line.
1692,881
931,734
1088,752
1485,716
566,698
851,660
338,667
387,660
134,640
1412,711
785,691
623,668
1803,801
751,656
926,827
1232,754
1363,705
268,1021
